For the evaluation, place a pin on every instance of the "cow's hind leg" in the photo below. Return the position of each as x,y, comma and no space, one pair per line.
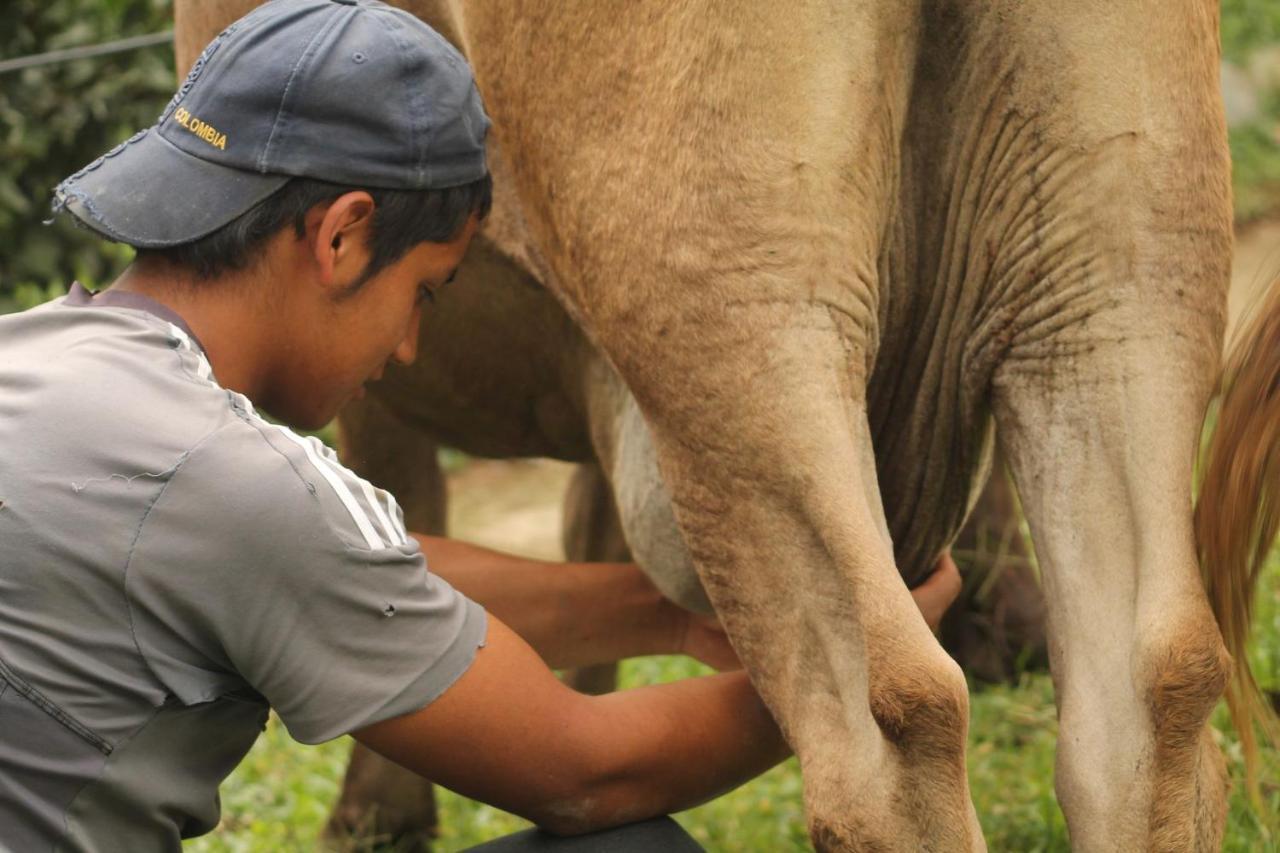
1106,225
995,629
381,802
734,287
592,533
1102,448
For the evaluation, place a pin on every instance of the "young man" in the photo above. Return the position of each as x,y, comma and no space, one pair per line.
172,565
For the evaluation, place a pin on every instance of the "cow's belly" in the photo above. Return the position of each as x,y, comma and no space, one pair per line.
502,371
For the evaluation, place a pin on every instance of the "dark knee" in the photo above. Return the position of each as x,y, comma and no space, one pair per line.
1187,673
922,707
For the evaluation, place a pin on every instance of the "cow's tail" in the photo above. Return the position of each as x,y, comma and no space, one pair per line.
1237,513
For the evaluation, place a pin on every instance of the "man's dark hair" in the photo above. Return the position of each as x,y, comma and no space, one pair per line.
402,219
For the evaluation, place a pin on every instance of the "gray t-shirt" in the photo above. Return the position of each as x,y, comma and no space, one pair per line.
171,564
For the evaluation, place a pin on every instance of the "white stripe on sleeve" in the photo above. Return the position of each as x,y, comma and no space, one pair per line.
326,452
339,488
177,332
393,512
387,527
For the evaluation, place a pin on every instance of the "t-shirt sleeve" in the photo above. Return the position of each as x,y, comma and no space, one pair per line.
266,566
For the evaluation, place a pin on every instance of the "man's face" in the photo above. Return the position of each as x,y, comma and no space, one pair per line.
337,343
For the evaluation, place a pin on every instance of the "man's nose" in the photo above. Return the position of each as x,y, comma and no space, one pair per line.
407,350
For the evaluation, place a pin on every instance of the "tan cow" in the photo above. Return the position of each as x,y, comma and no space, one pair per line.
801,259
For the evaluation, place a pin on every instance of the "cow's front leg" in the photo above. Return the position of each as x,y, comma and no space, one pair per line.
1102,449
592,533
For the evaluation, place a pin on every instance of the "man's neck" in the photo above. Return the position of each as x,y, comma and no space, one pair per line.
225,313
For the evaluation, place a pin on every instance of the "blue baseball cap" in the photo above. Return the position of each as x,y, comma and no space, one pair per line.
354,92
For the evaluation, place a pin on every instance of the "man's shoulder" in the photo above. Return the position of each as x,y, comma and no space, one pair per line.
111,378
96,408
273,482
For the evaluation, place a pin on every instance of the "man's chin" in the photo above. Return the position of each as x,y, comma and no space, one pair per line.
301,420
312,424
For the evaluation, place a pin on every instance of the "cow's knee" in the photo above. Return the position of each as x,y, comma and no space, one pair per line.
1187,673
918,798
1137,767
922,707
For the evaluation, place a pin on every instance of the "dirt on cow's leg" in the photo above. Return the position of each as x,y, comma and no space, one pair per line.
592,533
995,630
381,803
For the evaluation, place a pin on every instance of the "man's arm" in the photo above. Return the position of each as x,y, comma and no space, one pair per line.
510,734
573,614
578,614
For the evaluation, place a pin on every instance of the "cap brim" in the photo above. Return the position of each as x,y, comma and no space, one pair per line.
150,194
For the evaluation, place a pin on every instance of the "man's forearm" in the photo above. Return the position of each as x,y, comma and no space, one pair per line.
509,733
573,614
712,734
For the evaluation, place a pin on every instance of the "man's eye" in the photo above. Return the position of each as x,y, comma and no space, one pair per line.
425,294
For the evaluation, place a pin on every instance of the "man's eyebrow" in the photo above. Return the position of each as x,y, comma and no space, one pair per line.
451,275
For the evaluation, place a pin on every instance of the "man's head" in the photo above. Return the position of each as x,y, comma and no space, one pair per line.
332,148
342,317
338,274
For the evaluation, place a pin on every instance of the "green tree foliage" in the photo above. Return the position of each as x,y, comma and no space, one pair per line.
1251,40
1255,161
1248,25
56,118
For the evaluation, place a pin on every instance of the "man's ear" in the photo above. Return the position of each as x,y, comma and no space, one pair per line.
337,236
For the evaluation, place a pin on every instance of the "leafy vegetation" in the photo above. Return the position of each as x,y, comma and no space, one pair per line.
1247,26
1251,40
1255,175
56,118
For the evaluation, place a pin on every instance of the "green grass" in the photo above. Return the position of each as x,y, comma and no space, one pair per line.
1255,173
278,799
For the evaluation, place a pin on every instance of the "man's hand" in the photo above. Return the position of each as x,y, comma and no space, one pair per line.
704,639
936,594
578,614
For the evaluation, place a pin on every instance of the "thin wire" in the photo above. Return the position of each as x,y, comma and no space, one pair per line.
54,56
